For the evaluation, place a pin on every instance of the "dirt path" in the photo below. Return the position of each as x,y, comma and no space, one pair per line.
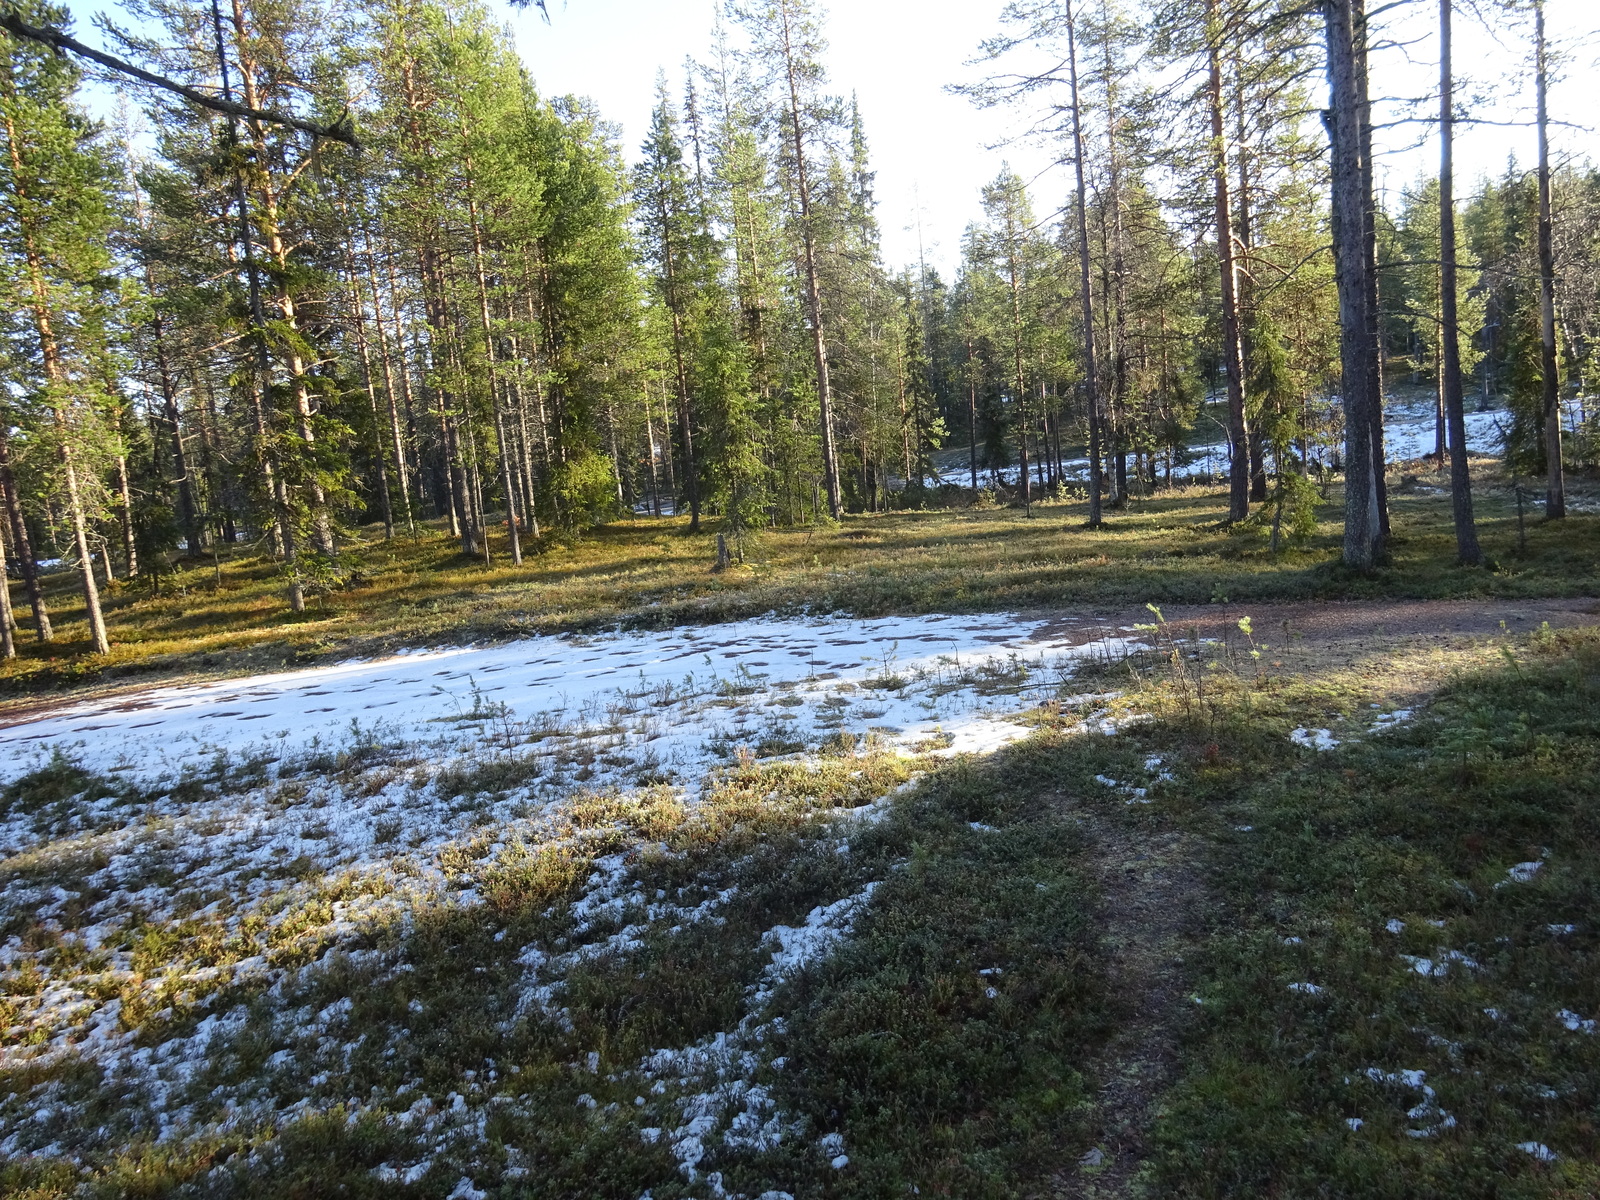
1329,621
1151,887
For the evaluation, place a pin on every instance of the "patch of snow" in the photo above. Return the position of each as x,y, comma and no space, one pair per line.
1394,925
917,675
1574,1023
1538,1150
1354,1122
1440,964
1433,1118
1313,739
1523,872
1307,989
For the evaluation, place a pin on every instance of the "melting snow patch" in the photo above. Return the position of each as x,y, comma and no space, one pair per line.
923,676
1575,1023
1523,872
1439,965
1539,1151
1389,720
1394,925
1354,1122
1431,1117
1307,989
1313,739
716,1074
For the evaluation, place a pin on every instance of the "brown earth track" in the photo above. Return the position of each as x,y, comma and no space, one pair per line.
1344,620
1152,903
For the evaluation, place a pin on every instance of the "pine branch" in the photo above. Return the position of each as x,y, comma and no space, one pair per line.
61,42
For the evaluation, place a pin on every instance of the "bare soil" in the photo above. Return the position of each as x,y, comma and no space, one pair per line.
1331,621
1152,905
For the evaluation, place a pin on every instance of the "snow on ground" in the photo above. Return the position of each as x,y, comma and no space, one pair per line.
1409,433
676,696
294,813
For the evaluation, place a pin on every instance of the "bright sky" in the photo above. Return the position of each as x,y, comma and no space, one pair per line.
933,151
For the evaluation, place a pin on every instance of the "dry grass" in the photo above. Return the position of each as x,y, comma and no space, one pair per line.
1172,548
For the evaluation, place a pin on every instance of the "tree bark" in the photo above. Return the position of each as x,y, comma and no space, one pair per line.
8,641
266,454
1450,387
502,441
1091,397
1232,351
1555,493
1363,531
1369,239
57,383
819,347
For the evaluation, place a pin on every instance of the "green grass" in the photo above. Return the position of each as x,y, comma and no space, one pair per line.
1418,825
652,572
939,1079
404,990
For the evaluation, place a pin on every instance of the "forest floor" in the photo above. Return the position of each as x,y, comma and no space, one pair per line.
1287,889
1171,548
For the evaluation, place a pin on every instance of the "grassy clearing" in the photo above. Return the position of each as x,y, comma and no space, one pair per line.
650,572
1395,993
853,972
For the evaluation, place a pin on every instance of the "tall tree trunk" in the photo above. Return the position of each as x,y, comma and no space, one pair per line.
188,510
675,305
819,346
8,622
972,418
57,383
1244,237
1091,397
1450,387
1369,238
1363,531
287,537
1555,493
1232,351
502,441
397,438
1013,237
130,551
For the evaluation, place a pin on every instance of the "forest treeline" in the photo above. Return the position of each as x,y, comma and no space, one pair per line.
226,330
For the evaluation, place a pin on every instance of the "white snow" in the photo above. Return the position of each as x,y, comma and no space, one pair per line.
668,693
1313,739
1307,989
1539,1151
316,800
1574,1023
1432,1119
1523,872
1440,963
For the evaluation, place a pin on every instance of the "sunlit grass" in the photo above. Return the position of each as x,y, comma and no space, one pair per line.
1173,547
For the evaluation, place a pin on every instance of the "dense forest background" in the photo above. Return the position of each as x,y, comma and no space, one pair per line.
224,331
